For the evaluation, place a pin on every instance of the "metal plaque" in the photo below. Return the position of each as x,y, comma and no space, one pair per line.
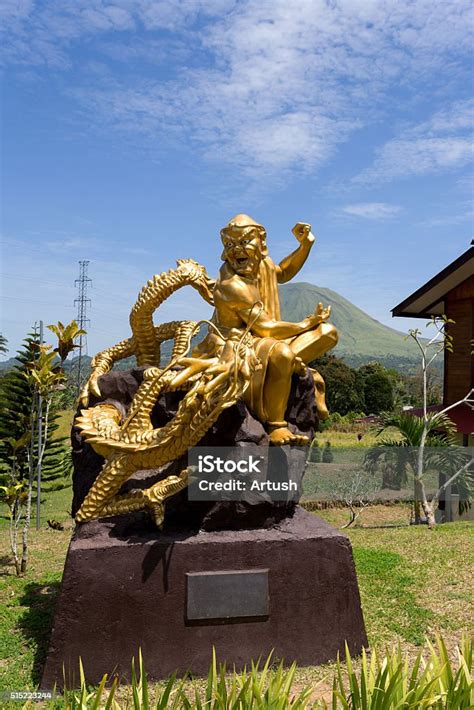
227,595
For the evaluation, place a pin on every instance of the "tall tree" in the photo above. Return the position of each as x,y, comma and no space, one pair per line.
16,405
378,393
344,387
378,385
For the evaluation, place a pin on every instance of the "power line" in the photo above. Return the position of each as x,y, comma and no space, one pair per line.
35,301
113,296
82,320
107,293
111,316
63,284
21,245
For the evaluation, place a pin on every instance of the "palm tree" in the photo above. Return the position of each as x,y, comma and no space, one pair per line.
398,448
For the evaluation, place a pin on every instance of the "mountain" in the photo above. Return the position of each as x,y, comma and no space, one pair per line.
8,364
361,338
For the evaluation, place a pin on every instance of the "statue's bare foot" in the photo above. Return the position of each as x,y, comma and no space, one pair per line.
282,435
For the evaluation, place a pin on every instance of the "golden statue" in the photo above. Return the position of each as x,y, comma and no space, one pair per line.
246,296
248,352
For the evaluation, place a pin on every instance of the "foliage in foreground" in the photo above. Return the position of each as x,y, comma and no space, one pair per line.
379,682
16,405
26,408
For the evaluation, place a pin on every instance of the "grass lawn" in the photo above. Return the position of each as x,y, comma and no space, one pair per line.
64,422
413,582
346,439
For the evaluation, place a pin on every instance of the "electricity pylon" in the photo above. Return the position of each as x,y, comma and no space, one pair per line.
83,321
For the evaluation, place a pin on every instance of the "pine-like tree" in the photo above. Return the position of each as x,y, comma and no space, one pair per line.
17,407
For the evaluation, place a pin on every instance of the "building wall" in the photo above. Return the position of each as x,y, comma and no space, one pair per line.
459,365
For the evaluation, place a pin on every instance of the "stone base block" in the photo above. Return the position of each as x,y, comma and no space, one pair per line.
291,588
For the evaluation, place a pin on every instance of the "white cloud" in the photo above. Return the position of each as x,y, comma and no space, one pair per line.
73,244
12,11
443,142
372,210
459,116
270,86
464,213
405,157
42,32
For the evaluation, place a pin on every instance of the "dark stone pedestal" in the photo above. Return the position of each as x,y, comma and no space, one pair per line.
293,589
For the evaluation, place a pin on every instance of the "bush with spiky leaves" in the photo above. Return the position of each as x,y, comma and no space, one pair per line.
433,680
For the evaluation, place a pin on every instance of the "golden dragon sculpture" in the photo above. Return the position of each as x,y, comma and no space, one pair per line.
147,338
212,385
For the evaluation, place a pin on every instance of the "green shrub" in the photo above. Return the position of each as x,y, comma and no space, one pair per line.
328,456
314,455
381,683
346,423
259,688
387,682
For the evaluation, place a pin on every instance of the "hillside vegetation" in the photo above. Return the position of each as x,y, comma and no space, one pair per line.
361,337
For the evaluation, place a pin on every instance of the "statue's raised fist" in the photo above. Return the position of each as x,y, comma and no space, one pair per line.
302,232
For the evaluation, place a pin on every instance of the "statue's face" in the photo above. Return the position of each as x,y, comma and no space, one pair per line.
243,251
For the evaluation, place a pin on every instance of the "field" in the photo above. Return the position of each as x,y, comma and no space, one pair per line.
345,439
413,583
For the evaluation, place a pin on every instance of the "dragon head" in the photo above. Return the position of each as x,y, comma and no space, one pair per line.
198,278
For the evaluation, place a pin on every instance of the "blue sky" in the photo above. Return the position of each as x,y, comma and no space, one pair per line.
133,130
